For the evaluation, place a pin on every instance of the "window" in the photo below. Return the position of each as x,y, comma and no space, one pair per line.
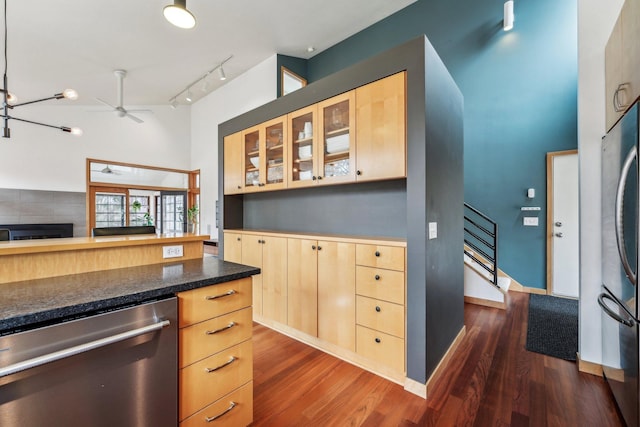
139,211
110,210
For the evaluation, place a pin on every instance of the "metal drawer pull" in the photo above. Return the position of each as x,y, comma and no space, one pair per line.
377,277
231,406
378,340
224,328
227,363
82,348
226,294
377,253
378,308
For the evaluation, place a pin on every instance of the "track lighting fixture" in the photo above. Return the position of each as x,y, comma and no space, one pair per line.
178,14
10,101
507,22
205,87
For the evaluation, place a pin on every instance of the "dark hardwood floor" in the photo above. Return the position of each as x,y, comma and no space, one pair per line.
490,381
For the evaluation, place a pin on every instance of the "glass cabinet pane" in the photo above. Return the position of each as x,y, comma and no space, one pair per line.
275,153
336,137
302,151
252,158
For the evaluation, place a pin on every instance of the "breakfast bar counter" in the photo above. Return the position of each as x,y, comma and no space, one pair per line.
32,303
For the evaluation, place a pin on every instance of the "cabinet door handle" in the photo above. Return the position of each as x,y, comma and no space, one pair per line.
224,328
377,253
319,248
239,187
359,172
226,294
319,177
313,247
314,178
378,340
227,363
238,239
377,277
215,417
378,309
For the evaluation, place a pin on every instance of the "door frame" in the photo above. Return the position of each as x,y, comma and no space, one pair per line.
550,157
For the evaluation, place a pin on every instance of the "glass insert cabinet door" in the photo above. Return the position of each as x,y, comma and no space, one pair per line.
303,170
264,155
337,151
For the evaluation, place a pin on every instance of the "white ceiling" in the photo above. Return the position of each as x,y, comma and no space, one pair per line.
57,44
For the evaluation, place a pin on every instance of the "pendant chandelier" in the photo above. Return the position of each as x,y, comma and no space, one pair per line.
9,100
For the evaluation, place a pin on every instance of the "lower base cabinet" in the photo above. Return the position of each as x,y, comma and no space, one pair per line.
216,355
344,295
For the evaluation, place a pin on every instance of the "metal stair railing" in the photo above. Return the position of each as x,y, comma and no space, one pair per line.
481,236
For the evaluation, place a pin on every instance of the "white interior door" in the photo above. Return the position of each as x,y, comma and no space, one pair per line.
564,226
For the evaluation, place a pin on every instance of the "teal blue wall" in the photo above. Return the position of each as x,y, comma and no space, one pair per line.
520,95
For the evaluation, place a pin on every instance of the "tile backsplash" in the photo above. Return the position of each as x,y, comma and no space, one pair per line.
44,207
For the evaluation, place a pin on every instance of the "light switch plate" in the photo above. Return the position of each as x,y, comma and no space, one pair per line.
530,221
433,230
175,251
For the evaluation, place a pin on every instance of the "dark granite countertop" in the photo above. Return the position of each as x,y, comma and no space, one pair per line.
33,303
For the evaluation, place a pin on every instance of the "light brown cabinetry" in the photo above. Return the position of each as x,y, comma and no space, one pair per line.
233,179
359,135
269,254
216,355
265,155
622,61
345,295
380,304
336,293
381,129
302,285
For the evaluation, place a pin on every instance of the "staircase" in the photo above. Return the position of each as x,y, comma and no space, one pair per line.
484,283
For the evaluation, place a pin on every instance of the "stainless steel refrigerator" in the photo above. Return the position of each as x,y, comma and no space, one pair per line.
618,299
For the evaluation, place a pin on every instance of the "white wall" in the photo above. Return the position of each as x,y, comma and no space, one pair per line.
244,93
39,158
595,22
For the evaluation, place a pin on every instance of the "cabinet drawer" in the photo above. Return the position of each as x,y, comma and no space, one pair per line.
389,257
381,284
206,381
380,347
240,414
205,303
209,337
380,315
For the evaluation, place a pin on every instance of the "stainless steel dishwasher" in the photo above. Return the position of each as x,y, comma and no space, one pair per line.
115,369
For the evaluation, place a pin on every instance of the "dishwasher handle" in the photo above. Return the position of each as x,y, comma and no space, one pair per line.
615,316
82,348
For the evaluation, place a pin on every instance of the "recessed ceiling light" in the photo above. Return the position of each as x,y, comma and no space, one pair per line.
311,49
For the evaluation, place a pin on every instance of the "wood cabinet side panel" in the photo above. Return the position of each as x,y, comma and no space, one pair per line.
233,176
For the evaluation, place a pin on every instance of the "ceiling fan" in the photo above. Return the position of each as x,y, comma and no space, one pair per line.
119,109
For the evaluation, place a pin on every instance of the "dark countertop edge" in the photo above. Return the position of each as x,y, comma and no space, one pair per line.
67,313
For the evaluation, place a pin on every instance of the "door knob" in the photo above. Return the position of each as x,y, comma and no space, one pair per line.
558,224
559,234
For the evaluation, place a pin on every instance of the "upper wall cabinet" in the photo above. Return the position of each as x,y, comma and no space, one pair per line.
381,129
233,173
359,135
622,62
264,156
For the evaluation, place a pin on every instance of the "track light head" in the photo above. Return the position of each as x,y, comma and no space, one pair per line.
174,103
178,14
188,98
507,23
221,73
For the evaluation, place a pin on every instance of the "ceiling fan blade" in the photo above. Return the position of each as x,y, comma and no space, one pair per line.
105,103
139,111
134,118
